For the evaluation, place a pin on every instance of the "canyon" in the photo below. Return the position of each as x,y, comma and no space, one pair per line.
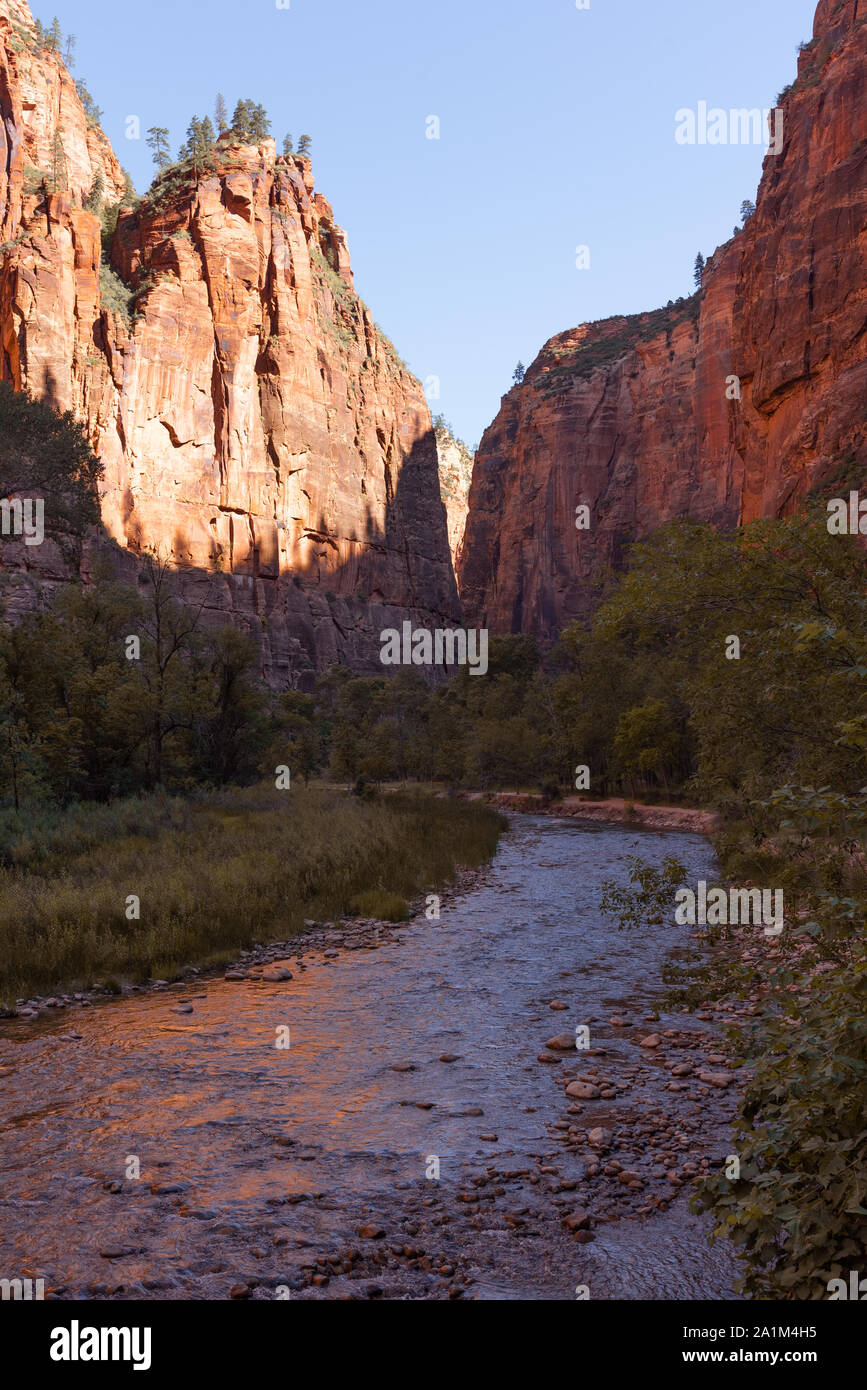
260,433
641,418
257,429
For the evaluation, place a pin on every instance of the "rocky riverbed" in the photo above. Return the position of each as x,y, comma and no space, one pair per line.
378,1111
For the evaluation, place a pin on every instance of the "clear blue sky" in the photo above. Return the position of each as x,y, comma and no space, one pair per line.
557,130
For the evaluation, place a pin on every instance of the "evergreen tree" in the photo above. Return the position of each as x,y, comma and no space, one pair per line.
260,125
241,120
40,32
221,115
699,269
55,35
69,54
91,110
158,140
304,145
94,200
199,144
250,122
288,145
191,148
129,190
748,207
58,164
518,374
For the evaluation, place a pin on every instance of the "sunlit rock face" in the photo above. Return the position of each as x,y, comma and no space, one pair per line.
256,428
640,419
456,473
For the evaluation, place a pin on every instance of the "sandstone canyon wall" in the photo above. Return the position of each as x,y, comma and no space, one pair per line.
456,475
256,428
631,417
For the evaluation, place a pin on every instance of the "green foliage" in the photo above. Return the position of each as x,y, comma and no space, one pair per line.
797,1211
650,896
199,144
780,748
647,740
44,453
115,295
158,142
250,122
390,349
109,215
59,178
85,718
92,112
34,180
604,349
95,198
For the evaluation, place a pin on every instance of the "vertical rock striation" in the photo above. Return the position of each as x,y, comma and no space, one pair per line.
633,416
256,427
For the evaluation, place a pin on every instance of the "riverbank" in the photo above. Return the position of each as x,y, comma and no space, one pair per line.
411,1134
102,899
613,811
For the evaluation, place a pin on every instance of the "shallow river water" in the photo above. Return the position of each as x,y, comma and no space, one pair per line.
264,1166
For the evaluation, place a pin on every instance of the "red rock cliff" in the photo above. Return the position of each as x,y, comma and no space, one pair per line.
256,427
632,417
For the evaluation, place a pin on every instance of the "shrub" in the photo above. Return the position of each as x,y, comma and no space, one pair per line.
116,296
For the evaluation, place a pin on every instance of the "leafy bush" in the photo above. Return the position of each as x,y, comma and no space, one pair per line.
651,895
116,296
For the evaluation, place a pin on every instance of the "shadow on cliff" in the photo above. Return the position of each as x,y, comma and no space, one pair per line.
322,612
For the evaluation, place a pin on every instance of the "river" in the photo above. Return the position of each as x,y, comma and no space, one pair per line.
283,1139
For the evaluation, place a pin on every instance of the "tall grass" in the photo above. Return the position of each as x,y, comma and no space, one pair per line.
212,876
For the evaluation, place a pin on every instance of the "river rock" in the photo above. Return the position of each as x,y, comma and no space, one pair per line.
276,974
583,1090
564,1042
721,1079
653,1040
577,1220
599,1138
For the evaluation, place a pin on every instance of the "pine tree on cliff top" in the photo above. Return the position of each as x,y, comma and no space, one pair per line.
250,122
221,115
260,124
158,141
304,145
699,270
